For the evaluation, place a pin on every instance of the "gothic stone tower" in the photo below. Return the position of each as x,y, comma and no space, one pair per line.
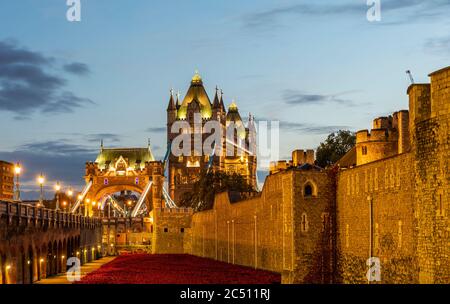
184,170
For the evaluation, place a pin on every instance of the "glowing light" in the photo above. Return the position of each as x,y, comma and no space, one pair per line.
69,192
41,260
8,267
62,257
80,196
64,203
57,187
195,164
17,169
88,200
41,179
94,203
129,203
28,262
112,245
78,253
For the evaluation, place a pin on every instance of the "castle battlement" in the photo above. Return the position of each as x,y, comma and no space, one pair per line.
389,136
299,158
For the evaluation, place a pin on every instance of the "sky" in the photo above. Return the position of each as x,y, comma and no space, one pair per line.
316,66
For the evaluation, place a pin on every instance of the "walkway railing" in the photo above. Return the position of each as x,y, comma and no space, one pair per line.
15,213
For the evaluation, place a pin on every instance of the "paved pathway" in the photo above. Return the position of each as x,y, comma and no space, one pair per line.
85,269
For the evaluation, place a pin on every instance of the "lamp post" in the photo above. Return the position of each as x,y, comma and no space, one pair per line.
17,170
57,188
70,194
80,197
41,181
86,204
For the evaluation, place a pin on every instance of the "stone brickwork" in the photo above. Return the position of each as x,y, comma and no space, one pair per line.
282,230
386,230
169,228
431,151
35,243
318,226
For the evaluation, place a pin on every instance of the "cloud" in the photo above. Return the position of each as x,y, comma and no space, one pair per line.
27,84
156,129
440,45
11,54
293,97
310,128
58,160
107,137
56,147
411,10
305,128
77,68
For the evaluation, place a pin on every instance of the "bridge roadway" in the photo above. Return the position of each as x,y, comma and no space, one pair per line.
36,242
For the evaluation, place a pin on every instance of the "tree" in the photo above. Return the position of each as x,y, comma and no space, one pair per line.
208,185
334,147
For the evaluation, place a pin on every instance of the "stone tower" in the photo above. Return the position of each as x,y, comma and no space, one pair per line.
430,142
194,112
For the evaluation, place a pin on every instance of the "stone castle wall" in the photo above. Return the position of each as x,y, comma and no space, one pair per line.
281,230
169,228
389,186
431,151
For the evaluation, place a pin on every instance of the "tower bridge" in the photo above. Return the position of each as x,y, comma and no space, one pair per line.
36,242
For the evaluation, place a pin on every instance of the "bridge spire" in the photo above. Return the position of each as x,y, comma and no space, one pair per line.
101,145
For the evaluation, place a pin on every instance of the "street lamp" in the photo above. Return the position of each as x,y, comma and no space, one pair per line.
41,181
17,170
86,204
79,199
57,189
70,194
64,205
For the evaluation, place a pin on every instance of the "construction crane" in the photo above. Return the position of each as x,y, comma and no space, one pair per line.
408,72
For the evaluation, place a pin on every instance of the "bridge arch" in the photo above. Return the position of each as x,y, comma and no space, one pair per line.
99,193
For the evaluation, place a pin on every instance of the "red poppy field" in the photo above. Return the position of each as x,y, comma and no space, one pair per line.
175,269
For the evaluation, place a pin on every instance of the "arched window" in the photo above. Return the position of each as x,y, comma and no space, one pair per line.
309,189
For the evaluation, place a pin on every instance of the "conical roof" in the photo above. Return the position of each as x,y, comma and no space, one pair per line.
196,92
171,105
233,116
216,103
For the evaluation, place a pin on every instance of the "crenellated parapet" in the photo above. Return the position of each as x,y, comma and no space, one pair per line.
389,136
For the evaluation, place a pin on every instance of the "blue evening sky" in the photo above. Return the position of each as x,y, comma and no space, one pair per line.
317,66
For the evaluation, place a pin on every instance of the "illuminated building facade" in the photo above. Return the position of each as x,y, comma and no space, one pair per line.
197,110
6,180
